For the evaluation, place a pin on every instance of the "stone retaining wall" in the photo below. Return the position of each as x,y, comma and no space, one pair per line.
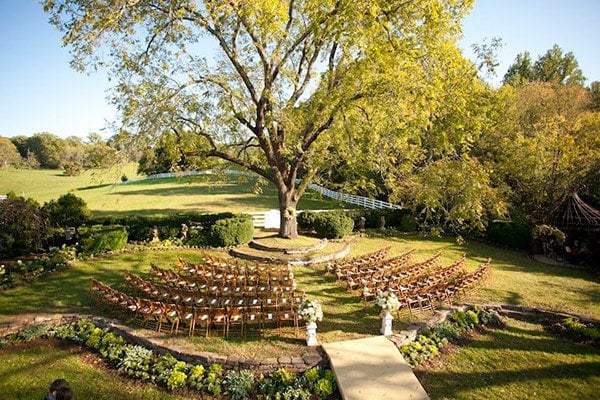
312,358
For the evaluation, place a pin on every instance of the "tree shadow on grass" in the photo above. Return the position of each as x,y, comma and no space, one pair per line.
453,384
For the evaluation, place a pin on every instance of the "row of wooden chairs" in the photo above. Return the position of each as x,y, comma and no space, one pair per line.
402,284
158,312
445,292
406,272
427,296
188,292
267,278
210,266
382,267
363,261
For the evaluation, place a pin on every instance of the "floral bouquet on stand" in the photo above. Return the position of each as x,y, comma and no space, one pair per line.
310,310
388,302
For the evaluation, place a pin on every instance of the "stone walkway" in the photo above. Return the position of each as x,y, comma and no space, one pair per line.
372,368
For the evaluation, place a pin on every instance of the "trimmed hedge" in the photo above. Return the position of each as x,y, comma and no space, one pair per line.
231,232
169,227
329,224
100,238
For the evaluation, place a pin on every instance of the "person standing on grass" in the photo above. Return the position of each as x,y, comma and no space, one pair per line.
64,393
57,385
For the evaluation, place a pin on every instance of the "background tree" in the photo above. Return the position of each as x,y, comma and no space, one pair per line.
8,153
47,148
285,72
553,66
595,93
546,147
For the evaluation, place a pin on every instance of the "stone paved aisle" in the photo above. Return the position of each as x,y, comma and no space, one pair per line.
372,369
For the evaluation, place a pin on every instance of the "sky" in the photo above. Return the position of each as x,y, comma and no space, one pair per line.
40,92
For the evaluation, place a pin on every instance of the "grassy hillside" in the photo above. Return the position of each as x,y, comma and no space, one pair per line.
196,193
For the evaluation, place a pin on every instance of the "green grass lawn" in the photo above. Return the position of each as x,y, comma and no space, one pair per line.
521,361
27,370
203,193
515,279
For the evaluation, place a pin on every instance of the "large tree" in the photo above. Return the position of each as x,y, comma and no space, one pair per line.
553,66
282,75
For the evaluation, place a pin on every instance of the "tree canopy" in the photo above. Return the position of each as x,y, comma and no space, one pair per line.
553,66
284,74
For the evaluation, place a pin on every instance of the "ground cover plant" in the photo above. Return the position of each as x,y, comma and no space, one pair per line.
165,370
518,361
28,369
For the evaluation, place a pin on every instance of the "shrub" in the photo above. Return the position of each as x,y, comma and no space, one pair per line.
231,232
140,227
579,331
68,210
100,238
400,219
514,234
239,384
333,225
306,220
22,226
111,346
430,341
136,362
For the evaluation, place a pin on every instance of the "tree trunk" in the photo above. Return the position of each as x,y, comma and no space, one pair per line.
288,227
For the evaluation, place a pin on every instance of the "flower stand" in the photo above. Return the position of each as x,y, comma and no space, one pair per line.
386,323
311,334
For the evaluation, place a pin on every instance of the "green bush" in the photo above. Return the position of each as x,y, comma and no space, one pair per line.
213,380
196,377
514,234
22,226
401,219
582,332
137,362
239,384
68,210
306,220
101,238
430,341
231,232
169,226
333,225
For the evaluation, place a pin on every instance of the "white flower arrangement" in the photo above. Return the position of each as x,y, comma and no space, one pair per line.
310,310
387,300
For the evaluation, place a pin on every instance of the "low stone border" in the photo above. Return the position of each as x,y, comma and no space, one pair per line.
312,358
295,262
515,311
288,250
507,310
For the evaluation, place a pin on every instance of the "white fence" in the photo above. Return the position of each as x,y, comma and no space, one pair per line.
360,201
